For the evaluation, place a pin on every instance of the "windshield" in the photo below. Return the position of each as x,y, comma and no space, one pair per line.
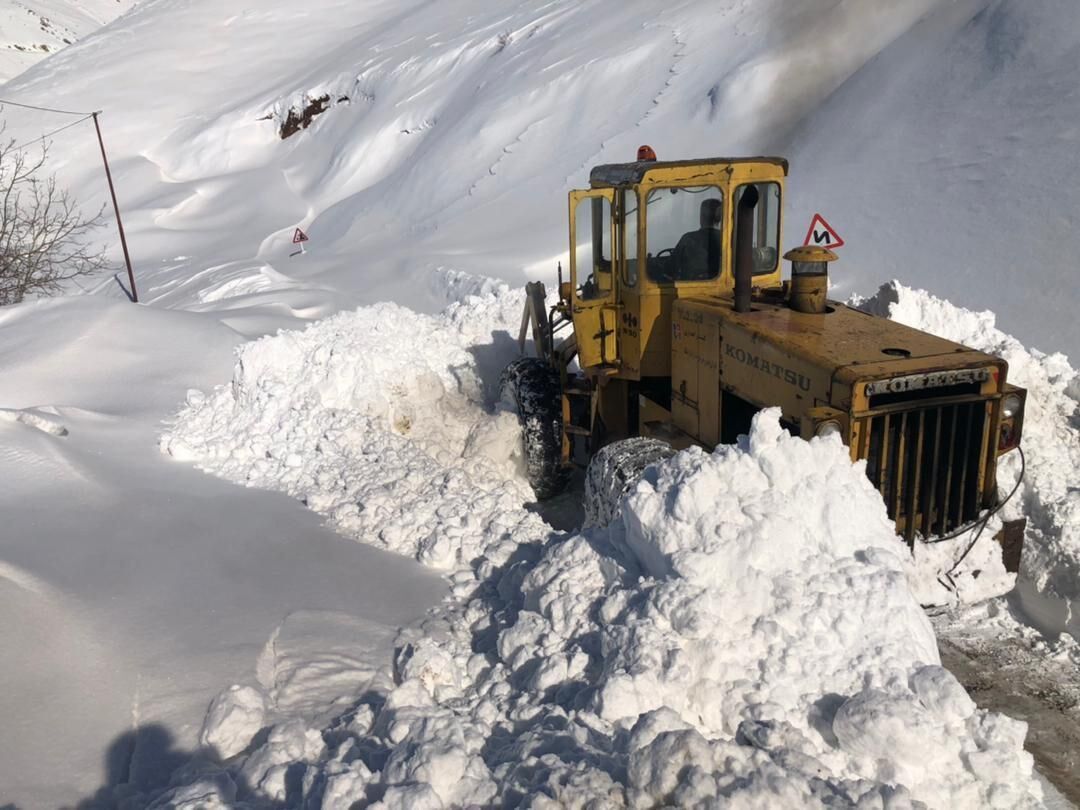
684,233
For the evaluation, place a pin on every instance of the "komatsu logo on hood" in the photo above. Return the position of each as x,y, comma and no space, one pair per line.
933,379
790,376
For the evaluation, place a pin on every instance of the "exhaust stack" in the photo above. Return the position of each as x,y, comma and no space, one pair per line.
744,248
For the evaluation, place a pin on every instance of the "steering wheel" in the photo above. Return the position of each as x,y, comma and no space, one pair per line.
662,265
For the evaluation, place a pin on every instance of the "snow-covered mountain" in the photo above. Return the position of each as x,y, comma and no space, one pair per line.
427,148
31,30
527,100
946,162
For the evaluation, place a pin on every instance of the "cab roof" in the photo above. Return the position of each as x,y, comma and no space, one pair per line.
622,174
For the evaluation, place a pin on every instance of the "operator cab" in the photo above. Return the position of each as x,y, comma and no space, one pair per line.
649,232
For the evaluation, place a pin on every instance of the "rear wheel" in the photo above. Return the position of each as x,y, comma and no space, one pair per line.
614,470
530,386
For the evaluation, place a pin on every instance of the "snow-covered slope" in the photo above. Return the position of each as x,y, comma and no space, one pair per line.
444,123
947,162
452,132
32,29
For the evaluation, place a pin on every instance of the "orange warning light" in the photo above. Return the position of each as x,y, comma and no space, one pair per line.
645,152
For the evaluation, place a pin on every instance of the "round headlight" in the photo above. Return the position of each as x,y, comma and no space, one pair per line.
830,427
1010,406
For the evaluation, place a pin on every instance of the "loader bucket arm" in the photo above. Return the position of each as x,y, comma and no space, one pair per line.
536,316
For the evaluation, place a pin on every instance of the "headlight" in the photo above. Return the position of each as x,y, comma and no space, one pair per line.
1010,406
829,427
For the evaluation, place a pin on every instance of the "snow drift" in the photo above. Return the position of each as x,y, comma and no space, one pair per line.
743,631
375,419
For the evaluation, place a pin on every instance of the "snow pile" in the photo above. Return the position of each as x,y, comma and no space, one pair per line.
1051,440
743,633
374,419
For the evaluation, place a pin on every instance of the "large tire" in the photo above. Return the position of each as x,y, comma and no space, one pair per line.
614,470
530,386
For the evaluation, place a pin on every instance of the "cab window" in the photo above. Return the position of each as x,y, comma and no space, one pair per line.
766,230
630,223
683,233
592,251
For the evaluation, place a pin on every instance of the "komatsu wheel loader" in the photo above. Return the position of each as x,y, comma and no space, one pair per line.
676,325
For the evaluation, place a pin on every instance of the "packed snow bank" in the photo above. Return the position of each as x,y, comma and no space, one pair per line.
744,631
1049,497
374,418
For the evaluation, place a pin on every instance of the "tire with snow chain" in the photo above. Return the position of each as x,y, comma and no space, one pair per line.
530,386
614,470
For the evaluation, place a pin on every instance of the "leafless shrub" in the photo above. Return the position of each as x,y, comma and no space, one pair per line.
43,233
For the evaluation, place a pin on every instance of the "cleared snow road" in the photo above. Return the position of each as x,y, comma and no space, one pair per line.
1009,669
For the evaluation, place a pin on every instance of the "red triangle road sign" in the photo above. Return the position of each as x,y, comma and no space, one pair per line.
822,234
299,236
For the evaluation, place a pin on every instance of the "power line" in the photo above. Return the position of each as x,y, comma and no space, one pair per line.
43,109
104,158
50,134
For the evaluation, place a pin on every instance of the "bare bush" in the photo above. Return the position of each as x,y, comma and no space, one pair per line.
43,234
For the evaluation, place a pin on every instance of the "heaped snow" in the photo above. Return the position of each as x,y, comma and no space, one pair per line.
449,137
748,615
376,418
32,29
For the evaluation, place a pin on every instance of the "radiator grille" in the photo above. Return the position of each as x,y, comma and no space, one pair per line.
928,463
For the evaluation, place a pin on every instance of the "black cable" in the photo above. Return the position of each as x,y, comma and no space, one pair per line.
991,513
50,134
42,109
985,521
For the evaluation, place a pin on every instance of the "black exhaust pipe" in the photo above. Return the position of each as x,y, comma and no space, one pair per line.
744,248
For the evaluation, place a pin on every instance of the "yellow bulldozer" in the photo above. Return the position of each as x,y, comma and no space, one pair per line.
676,326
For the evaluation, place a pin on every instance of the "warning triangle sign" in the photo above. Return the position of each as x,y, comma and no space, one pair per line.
299,237
822,234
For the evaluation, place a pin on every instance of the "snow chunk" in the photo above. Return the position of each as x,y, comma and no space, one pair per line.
45,422
234,718
288,744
